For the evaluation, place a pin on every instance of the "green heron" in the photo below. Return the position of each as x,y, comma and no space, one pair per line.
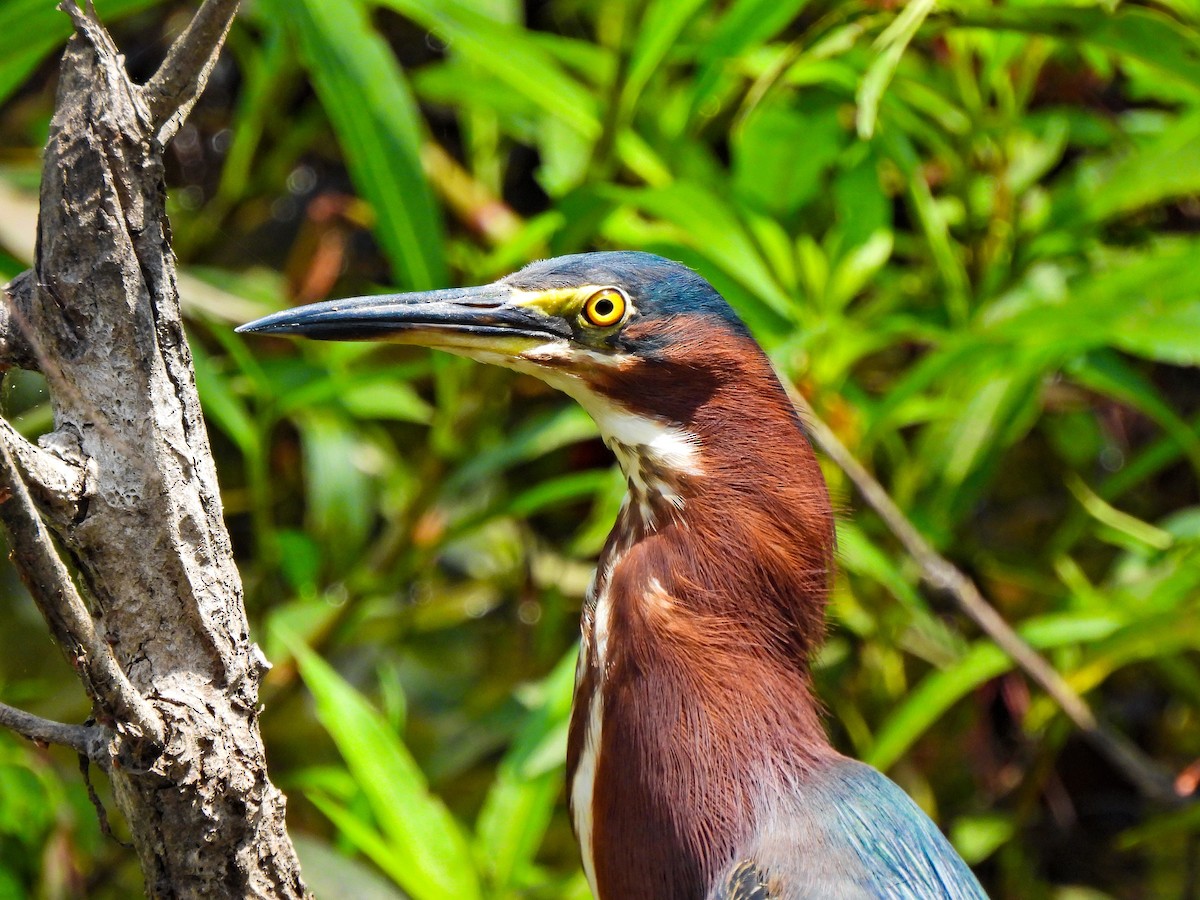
697,765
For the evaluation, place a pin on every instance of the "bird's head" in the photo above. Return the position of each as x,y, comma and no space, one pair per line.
621,331
678,387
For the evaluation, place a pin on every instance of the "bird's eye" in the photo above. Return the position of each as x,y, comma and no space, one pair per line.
604,308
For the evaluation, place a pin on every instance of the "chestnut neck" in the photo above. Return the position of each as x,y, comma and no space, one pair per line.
728,512
694,699
694,703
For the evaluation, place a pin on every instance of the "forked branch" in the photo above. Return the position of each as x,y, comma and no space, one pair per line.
127,483
61,606
173,90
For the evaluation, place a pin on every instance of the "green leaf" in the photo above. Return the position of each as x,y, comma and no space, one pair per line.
888,50
313,384
565,425
863,210
973,432
362,835
1150,637
510,56
766,169
855,270
978,837
1118,520
520,801
32,29
337,488
856,553
1146,303
299,559
426,851
657,34
386,400
556,491
1146,35
744,24
372,110
1162,169
939,691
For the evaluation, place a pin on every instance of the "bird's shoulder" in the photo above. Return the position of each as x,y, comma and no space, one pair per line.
847,832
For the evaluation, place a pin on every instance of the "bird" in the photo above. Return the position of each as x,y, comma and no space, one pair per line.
698,767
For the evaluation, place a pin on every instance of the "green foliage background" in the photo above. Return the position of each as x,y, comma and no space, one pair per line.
968,231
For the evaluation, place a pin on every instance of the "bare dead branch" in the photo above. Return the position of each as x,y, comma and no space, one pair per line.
84,739
941,574
63,609
180,80
56,475
148,539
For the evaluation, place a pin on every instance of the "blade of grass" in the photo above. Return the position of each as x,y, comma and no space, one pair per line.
429,854
658,33
508,54
520,801
889,48
373,112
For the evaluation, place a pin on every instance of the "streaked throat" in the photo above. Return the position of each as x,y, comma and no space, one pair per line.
657,457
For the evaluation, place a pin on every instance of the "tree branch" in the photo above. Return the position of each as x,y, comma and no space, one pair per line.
173,90
168,655
941,574
84,739
56,475
63,609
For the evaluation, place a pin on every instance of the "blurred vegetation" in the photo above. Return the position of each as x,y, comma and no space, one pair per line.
969,232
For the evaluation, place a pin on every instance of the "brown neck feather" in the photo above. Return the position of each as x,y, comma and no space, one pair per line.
710,613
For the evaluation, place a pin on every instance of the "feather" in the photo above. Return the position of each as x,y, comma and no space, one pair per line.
848,832
745,882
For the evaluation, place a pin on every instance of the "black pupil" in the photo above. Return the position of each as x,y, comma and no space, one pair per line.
603,308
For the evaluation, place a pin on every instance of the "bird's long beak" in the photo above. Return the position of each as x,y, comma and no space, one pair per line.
485,320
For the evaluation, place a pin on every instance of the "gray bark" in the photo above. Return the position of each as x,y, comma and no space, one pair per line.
127,485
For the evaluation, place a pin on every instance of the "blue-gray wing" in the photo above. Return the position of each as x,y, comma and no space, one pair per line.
847,833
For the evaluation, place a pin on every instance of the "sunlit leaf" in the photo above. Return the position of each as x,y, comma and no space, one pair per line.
509,55
1149,36
889,48
426,849
520,802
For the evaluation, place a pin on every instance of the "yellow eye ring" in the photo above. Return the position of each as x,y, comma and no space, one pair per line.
604,308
